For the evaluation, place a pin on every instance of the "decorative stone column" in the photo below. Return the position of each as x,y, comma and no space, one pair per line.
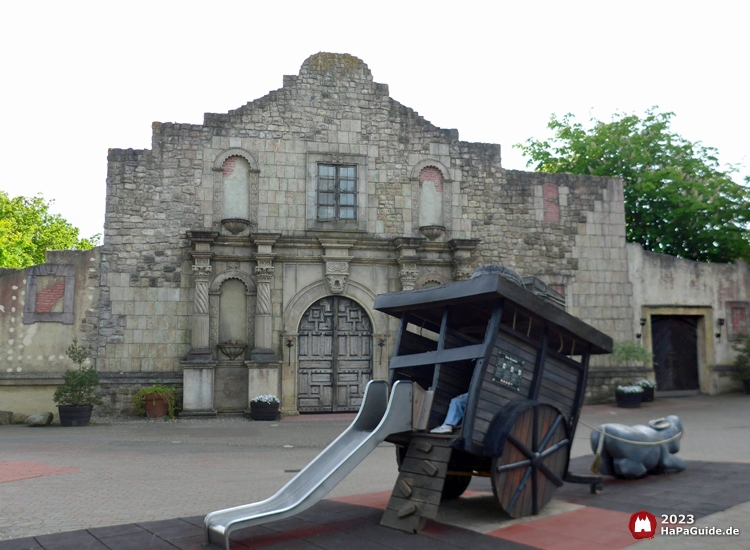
462,260
263,319
198,369
199,347
264,271
408,260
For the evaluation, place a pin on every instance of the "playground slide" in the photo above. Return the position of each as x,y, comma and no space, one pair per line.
378,417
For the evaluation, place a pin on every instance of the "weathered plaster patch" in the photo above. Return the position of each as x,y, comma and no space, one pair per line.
30,333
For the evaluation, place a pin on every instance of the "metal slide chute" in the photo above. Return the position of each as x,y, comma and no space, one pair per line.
378,417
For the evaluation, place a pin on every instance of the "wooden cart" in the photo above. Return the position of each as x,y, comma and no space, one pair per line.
523,362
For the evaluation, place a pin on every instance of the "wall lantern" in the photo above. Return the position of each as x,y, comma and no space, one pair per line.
289,344
381,343
721,324
643,324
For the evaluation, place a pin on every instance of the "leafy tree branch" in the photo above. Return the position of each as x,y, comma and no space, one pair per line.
678,198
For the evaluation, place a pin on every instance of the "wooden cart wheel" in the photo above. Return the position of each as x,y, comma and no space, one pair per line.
533,461
455,486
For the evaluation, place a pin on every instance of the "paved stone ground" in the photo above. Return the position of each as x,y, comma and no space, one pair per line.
142,471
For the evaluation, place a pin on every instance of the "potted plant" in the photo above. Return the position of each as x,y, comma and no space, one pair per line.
648,389
78,394
156,401
264,407
628,397
742,361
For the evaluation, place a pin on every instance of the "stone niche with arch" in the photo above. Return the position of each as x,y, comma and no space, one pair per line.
232,302
431,199
235,202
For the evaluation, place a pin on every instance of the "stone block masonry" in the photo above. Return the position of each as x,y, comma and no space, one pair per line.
165,206
171,282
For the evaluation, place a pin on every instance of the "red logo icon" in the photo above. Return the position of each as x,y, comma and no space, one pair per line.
642,525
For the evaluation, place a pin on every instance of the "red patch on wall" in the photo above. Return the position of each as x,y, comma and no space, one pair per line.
47,298
16,471
430,173
739,320
551,203
229,165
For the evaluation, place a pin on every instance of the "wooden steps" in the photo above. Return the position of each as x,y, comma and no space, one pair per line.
418,489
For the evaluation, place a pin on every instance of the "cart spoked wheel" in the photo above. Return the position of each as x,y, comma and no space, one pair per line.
455,486
533,461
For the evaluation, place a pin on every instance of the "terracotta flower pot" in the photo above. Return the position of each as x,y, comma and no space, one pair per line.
155,406
264,411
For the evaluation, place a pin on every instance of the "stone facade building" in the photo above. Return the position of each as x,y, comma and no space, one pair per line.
243,256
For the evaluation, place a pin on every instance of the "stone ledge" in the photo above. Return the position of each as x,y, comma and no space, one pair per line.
31,378
107,378
602,381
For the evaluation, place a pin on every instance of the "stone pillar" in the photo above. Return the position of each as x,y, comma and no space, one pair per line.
264,271
408,259
263,318
198,389
462,260
198,369
199,346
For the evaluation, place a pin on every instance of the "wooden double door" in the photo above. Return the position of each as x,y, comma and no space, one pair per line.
335,356
675,346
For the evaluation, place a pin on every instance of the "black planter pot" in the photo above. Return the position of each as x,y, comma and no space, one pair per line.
628,400
746,383
648,395
264,411
75,416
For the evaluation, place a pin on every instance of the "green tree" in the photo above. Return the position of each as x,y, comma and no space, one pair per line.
678,199
28,230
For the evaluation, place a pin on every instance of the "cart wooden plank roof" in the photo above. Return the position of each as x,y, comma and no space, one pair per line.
487,292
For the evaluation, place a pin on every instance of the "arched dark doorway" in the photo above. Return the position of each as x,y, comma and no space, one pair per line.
335,356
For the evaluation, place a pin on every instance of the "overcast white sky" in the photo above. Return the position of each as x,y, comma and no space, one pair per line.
81,77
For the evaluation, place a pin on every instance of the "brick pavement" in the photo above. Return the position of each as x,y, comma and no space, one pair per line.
143,474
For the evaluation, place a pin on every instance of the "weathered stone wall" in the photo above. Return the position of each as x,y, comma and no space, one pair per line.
150,205
567,230
665,285
602,381
38,325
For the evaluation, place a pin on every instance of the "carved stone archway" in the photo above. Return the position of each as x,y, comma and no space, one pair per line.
214,293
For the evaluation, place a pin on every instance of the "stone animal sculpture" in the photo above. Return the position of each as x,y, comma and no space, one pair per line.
645,455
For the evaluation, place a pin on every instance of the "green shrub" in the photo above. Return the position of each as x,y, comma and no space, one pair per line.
629,350
80,387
